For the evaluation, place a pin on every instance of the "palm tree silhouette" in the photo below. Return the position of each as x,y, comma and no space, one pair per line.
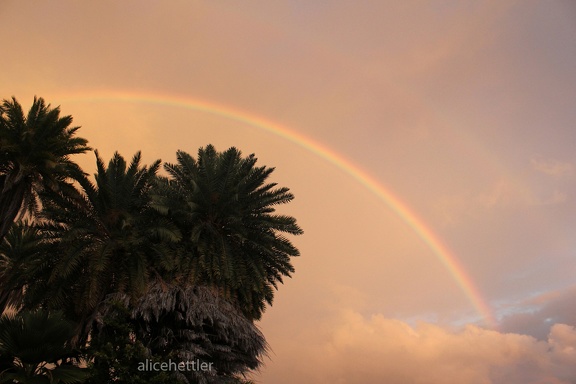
233,239
35,154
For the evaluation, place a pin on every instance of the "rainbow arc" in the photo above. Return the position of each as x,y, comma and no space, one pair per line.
420,228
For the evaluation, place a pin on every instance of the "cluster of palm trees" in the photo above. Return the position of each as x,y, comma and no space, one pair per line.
99,275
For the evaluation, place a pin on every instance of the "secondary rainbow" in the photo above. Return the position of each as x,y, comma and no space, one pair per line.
444,255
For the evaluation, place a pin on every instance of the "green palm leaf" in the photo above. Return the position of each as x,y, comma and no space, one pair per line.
225,208
38,343
35,163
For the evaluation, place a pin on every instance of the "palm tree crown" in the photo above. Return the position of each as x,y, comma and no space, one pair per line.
110,241
225,209
35,154
35,348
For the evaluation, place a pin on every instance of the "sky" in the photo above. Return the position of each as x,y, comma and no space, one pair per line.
430,147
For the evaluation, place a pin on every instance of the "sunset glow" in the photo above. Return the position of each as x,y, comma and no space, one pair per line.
429,147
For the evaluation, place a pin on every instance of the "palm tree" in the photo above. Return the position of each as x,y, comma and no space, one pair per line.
233,239
190,324
25,261
35,154
35,348
112,241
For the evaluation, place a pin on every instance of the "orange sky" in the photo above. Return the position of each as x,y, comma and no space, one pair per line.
463,110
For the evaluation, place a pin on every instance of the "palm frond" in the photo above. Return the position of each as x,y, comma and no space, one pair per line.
225,208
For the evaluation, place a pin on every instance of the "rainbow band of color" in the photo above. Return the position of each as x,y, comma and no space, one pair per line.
449,261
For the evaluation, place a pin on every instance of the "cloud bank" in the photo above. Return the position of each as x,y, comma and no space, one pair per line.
376,349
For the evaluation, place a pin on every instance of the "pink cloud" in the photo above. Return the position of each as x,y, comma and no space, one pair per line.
378,349
552,167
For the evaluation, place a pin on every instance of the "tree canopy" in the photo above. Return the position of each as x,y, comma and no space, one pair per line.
131,265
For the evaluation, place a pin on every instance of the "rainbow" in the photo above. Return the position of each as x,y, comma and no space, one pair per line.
444,255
